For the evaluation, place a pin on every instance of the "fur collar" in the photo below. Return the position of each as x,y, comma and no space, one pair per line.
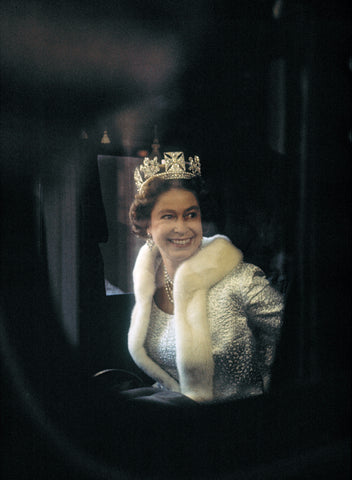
193,279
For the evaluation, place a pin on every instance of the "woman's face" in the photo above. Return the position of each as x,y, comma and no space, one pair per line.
176,226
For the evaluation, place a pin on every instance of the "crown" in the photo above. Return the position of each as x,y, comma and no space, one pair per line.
172,166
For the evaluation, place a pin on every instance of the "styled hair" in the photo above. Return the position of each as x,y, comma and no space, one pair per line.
144,201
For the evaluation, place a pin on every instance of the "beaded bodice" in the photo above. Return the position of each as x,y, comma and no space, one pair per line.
244,313
161,340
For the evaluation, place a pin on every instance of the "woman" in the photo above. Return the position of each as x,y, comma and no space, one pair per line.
205,324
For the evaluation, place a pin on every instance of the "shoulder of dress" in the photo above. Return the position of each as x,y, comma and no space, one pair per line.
250,269
243,275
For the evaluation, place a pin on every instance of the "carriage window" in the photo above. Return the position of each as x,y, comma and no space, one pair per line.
120,251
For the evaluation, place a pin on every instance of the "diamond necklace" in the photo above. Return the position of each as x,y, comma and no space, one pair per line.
169,285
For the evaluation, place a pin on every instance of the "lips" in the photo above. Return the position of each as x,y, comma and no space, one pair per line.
180,242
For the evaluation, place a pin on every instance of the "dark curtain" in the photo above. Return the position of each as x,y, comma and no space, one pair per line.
93,231
316,337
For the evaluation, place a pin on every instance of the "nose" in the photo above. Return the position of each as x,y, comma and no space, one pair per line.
180,226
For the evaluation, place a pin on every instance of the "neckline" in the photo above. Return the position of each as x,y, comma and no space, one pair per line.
169,315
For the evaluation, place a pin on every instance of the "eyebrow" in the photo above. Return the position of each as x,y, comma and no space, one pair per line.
194,207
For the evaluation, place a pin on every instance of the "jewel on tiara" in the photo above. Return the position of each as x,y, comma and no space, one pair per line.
172,166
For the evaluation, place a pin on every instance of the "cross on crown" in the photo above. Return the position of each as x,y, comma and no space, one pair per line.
172,166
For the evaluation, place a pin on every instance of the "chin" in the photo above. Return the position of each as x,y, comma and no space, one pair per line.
185,255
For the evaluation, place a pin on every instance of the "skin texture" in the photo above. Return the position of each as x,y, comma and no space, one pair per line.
176,228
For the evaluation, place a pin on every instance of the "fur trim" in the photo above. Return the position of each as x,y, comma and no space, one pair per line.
193,279
144,289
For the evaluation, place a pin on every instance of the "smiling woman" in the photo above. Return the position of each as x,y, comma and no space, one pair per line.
205,324
176,227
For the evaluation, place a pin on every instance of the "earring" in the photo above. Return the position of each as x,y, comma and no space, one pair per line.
150,241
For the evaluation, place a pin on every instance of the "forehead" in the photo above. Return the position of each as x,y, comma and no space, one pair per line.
176,198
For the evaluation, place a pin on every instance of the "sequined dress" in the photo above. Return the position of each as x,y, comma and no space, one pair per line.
244,313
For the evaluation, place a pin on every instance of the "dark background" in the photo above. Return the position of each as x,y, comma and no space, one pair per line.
260,90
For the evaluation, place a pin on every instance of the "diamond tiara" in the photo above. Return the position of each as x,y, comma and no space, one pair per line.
172,166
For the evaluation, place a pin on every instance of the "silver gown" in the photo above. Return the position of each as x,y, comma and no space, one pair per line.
245,315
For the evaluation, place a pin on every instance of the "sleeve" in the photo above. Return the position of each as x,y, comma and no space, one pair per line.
264,309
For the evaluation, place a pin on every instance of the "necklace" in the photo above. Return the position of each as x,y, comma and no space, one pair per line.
169,285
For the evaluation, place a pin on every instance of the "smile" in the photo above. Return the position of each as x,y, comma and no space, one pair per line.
181,242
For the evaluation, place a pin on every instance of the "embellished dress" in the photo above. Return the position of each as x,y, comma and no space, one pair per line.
220,343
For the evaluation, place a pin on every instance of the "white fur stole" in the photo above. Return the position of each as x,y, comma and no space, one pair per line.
193,279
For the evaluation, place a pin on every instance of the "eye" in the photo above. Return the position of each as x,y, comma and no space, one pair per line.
167,216
192,214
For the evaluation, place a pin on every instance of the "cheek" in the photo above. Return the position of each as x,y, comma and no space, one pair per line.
158,231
